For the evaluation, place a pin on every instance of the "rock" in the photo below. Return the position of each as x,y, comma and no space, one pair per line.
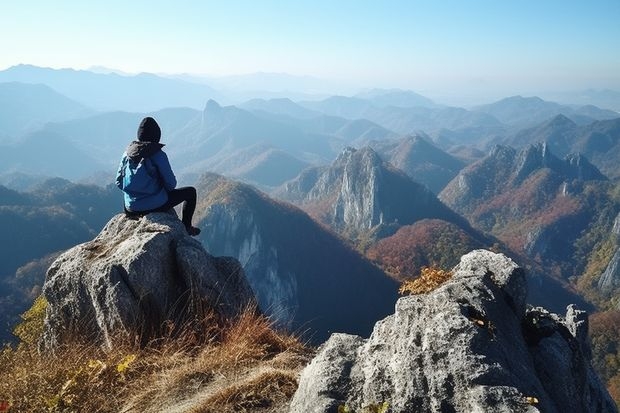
134,277
610,278
468,346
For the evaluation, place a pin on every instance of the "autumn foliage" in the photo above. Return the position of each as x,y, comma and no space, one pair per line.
429,280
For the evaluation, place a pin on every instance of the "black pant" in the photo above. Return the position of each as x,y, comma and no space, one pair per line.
185,194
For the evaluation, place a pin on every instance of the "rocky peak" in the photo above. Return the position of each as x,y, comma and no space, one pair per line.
532,158
132,278
360,192
579,167
471,345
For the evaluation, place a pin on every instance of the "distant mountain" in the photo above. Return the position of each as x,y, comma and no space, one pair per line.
363,198
355,132
25,107
403,120
396,97
260,165
49,154
106,135
54,216
528,111
220,131
282,106
303,275
139,93
599,141
603,98
421,160
341,106
541,206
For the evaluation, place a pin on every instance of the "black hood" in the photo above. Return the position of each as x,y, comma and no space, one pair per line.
138,150
148,131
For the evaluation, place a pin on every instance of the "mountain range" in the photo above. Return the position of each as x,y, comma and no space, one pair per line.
327,201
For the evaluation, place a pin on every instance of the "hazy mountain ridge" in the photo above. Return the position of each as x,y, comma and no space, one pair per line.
529,111
419,158
26,107
141,93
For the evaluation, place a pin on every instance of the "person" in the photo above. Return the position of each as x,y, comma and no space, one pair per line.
147,181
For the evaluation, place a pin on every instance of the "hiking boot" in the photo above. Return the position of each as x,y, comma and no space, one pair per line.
193,231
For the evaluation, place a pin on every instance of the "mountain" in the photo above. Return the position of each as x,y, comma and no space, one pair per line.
136,93
55,215
303,276
363,198
529,111
106,135
403,120
395,97
43,153
544,207
603,98
419,158
260,165
599,141
353,131
222,130
281,106
25,107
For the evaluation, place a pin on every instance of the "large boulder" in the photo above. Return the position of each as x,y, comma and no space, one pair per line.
135,277
471,345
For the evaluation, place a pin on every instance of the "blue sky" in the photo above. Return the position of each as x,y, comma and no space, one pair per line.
473,45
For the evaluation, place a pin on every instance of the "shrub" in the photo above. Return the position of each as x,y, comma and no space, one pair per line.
429,279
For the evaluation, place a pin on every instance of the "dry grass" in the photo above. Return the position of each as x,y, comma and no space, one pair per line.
430,278
212,366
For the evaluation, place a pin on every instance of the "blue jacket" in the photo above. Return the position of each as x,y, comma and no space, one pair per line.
145,176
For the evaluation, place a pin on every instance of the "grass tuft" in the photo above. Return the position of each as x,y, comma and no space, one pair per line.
207,365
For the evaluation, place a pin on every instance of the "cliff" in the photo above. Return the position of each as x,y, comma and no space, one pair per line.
135,277
470,345
304,277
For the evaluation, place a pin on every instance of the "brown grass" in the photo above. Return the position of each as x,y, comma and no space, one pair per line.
430,278
233,366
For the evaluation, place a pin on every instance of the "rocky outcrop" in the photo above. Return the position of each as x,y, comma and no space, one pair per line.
136,275
610,278
359,196
471,345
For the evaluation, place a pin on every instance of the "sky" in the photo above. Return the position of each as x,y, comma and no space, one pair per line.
466,46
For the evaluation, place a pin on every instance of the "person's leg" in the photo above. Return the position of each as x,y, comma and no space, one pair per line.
187,196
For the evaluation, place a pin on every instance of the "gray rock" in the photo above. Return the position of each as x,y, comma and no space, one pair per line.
610,278
468,346
134,277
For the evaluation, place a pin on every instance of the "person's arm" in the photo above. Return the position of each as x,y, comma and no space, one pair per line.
165,170
119,173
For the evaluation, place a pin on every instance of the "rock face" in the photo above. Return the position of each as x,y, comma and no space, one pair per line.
304,277
359,193
610,278
471,345
134,276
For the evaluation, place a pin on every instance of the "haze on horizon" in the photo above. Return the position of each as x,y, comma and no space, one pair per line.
480,48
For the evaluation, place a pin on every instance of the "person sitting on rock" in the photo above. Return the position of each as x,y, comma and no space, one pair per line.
147,180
